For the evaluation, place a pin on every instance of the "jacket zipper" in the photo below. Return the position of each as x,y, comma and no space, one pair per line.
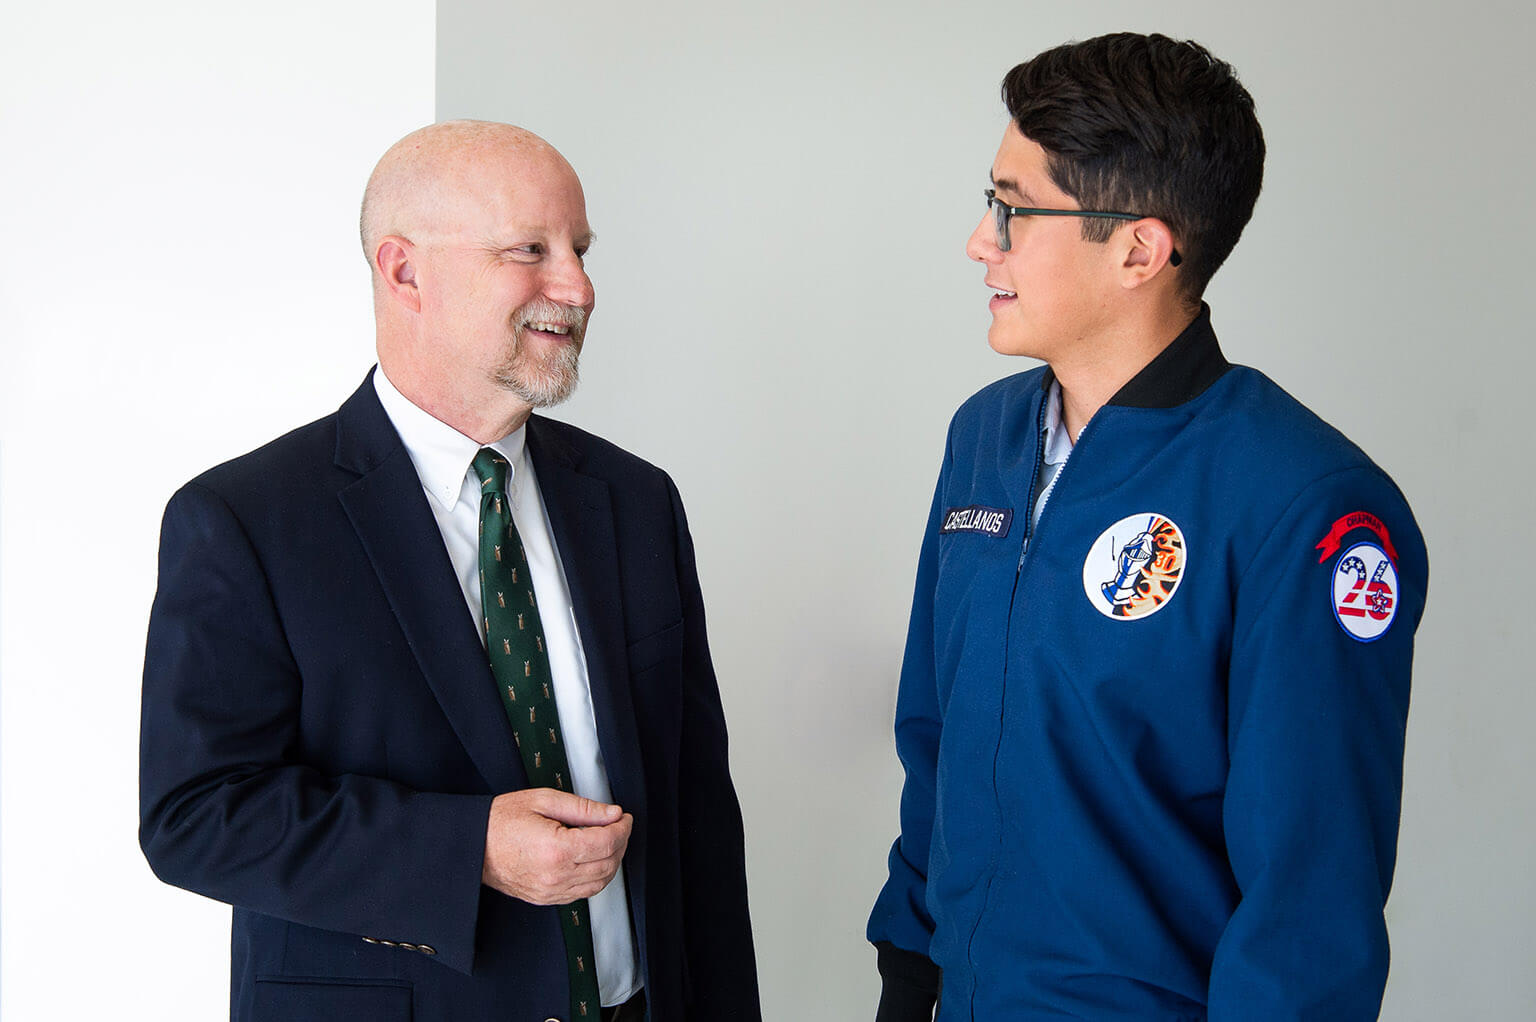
1045,498
1030,525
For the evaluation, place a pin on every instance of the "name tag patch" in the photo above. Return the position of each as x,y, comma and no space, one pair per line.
989,521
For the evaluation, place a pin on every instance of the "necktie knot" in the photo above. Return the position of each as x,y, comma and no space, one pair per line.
492,470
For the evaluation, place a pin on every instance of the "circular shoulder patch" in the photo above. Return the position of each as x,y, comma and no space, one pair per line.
1135,566
1365,591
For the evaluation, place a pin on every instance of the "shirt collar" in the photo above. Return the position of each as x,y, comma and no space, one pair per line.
1056,441
442,455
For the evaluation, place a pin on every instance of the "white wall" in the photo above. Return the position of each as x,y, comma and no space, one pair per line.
786,321
179,281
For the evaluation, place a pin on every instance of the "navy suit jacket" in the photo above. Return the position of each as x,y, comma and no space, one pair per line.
321,735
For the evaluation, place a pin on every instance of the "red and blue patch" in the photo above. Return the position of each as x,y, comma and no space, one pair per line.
1363,585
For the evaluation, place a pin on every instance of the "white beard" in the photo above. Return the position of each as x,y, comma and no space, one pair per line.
540,382
545,381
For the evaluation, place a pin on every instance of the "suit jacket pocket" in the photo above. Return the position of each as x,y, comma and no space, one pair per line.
282,999
656,648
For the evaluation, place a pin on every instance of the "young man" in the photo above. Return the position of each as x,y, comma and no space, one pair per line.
1156,678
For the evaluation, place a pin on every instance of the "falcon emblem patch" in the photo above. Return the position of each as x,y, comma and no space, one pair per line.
1135,566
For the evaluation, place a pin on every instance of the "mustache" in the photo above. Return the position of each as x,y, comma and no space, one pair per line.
542,310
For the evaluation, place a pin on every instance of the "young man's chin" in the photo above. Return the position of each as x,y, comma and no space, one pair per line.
1008,339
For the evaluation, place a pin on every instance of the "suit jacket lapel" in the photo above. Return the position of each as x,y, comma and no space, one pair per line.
581,518
389,510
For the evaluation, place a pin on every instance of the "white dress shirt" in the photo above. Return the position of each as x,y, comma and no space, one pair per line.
443,458
1055,448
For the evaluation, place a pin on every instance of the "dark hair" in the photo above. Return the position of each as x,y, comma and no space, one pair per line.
1146,124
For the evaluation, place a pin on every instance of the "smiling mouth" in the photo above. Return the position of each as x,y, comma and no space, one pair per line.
540,326
1004,294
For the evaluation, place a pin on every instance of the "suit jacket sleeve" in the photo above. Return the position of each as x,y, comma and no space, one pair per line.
717,933
1316,720
228,807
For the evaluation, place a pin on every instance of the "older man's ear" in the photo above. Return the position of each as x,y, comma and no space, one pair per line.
393,261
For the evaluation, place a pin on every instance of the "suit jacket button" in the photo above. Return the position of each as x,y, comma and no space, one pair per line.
369,940
407,946
427,949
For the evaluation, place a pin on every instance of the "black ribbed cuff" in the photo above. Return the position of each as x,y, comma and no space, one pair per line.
909,985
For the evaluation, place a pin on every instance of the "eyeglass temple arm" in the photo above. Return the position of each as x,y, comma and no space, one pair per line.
1174,259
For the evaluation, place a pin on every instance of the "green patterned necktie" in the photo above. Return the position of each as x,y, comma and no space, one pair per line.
514,641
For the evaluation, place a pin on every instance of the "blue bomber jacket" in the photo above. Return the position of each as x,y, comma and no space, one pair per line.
1153,744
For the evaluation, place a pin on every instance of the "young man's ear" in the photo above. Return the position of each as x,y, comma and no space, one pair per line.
1149,251
394,259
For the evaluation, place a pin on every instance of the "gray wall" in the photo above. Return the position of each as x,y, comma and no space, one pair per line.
786,321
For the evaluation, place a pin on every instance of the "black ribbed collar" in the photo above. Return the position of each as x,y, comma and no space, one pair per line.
1181,372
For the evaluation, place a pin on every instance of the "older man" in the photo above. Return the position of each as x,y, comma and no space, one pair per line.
427,695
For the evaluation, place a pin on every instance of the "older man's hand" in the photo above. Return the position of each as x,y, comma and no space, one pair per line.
551,847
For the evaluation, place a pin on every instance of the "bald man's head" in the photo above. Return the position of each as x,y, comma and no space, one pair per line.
477,235
427,183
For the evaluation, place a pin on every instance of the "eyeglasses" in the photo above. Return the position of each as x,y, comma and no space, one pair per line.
1002,213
